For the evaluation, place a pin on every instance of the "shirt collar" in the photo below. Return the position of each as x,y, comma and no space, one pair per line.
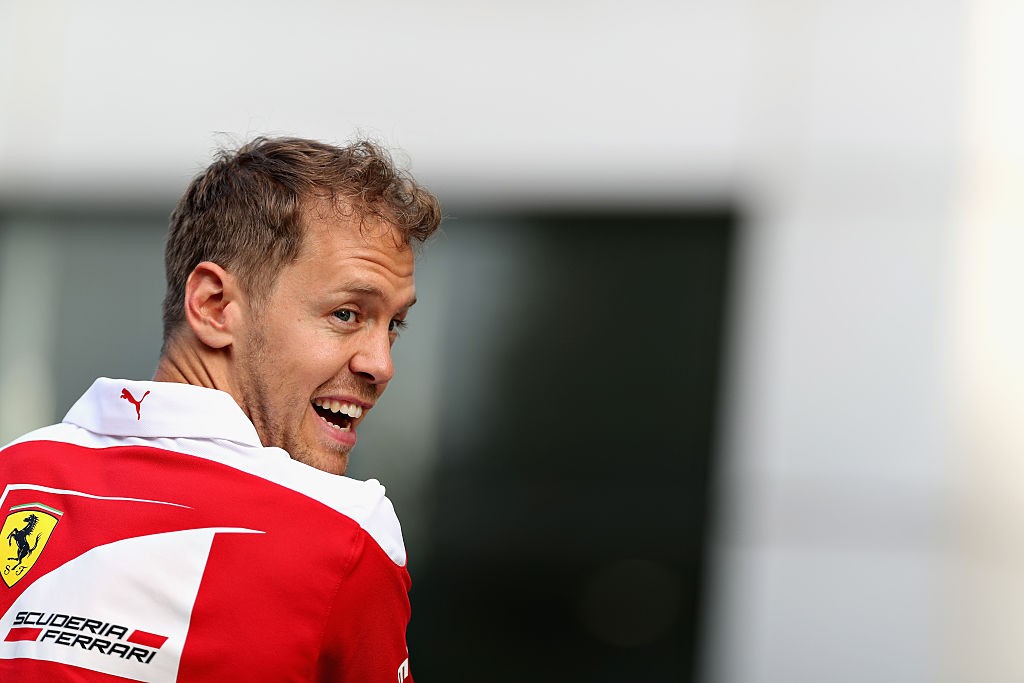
161,409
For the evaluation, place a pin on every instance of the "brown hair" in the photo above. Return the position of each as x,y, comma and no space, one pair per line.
245,211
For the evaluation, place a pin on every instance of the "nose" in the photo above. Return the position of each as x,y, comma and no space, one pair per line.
372,360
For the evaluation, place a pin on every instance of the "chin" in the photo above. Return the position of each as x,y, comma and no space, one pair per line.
330,462
339,466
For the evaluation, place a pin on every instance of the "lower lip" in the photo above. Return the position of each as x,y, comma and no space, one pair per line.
334,434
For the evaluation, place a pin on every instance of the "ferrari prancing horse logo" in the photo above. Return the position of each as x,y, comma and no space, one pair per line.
27,529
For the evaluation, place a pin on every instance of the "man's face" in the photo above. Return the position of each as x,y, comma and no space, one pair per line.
316,355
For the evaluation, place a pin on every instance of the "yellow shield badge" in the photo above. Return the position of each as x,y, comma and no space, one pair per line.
27,529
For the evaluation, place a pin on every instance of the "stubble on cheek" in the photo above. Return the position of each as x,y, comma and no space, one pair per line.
258,392
279,424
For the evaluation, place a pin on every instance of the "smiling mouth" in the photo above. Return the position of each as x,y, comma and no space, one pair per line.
338,414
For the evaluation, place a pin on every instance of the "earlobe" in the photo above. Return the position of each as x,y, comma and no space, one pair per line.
210,303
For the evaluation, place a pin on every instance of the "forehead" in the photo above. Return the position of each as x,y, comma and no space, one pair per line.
336,241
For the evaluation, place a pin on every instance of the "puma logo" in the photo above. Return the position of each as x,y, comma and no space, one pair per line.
127,395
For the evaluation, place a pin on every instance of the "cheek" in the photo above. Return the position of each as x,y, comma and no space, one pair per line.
321,358
285,359
304,356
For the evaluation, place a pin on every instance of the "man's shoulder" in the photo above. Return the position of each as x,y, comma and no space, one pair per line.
365,502
47,433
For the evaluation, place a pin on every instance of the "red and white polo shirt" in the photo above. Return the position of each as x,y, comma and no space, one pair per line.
151,537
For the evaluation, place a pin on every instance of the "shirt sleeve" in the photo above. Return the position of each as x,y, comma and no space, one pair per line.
365,634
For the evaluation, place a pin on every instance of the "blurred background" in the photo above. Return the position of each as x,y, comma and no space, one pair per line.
717,373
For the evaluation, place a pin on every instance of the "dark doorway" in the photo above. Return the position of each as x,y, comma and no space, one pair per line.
571,502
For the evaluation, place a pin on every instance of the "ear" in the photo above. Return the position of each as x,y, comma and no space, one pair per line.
212,304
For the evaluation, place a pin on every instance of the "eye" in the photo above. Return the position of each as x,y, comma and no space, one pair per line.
345,315
396,325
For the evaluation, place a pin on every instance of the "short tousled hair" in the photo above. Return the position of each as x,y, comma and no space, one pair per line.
245,212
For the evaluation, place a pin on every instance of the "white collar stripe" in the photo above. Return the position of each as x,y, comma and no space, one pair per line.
124,408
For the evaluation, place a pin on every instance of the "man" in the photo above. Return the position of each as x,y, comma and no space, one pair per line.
195,528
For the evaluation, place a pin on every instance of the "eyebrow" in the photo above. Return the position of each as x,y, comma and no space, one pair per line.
370,290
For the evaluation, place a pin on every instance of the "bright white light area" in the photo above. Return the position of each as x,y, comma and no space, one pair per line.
485,98
989,585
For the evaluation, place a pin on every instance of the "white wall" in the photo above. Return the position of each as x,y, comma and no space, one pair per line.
834,553
846,131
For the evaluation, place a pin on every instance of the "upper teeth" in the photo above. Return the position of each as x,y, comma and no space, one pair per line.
350,409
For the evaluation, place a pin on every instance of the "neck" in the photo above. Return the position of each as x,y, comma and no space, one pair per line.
189,362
